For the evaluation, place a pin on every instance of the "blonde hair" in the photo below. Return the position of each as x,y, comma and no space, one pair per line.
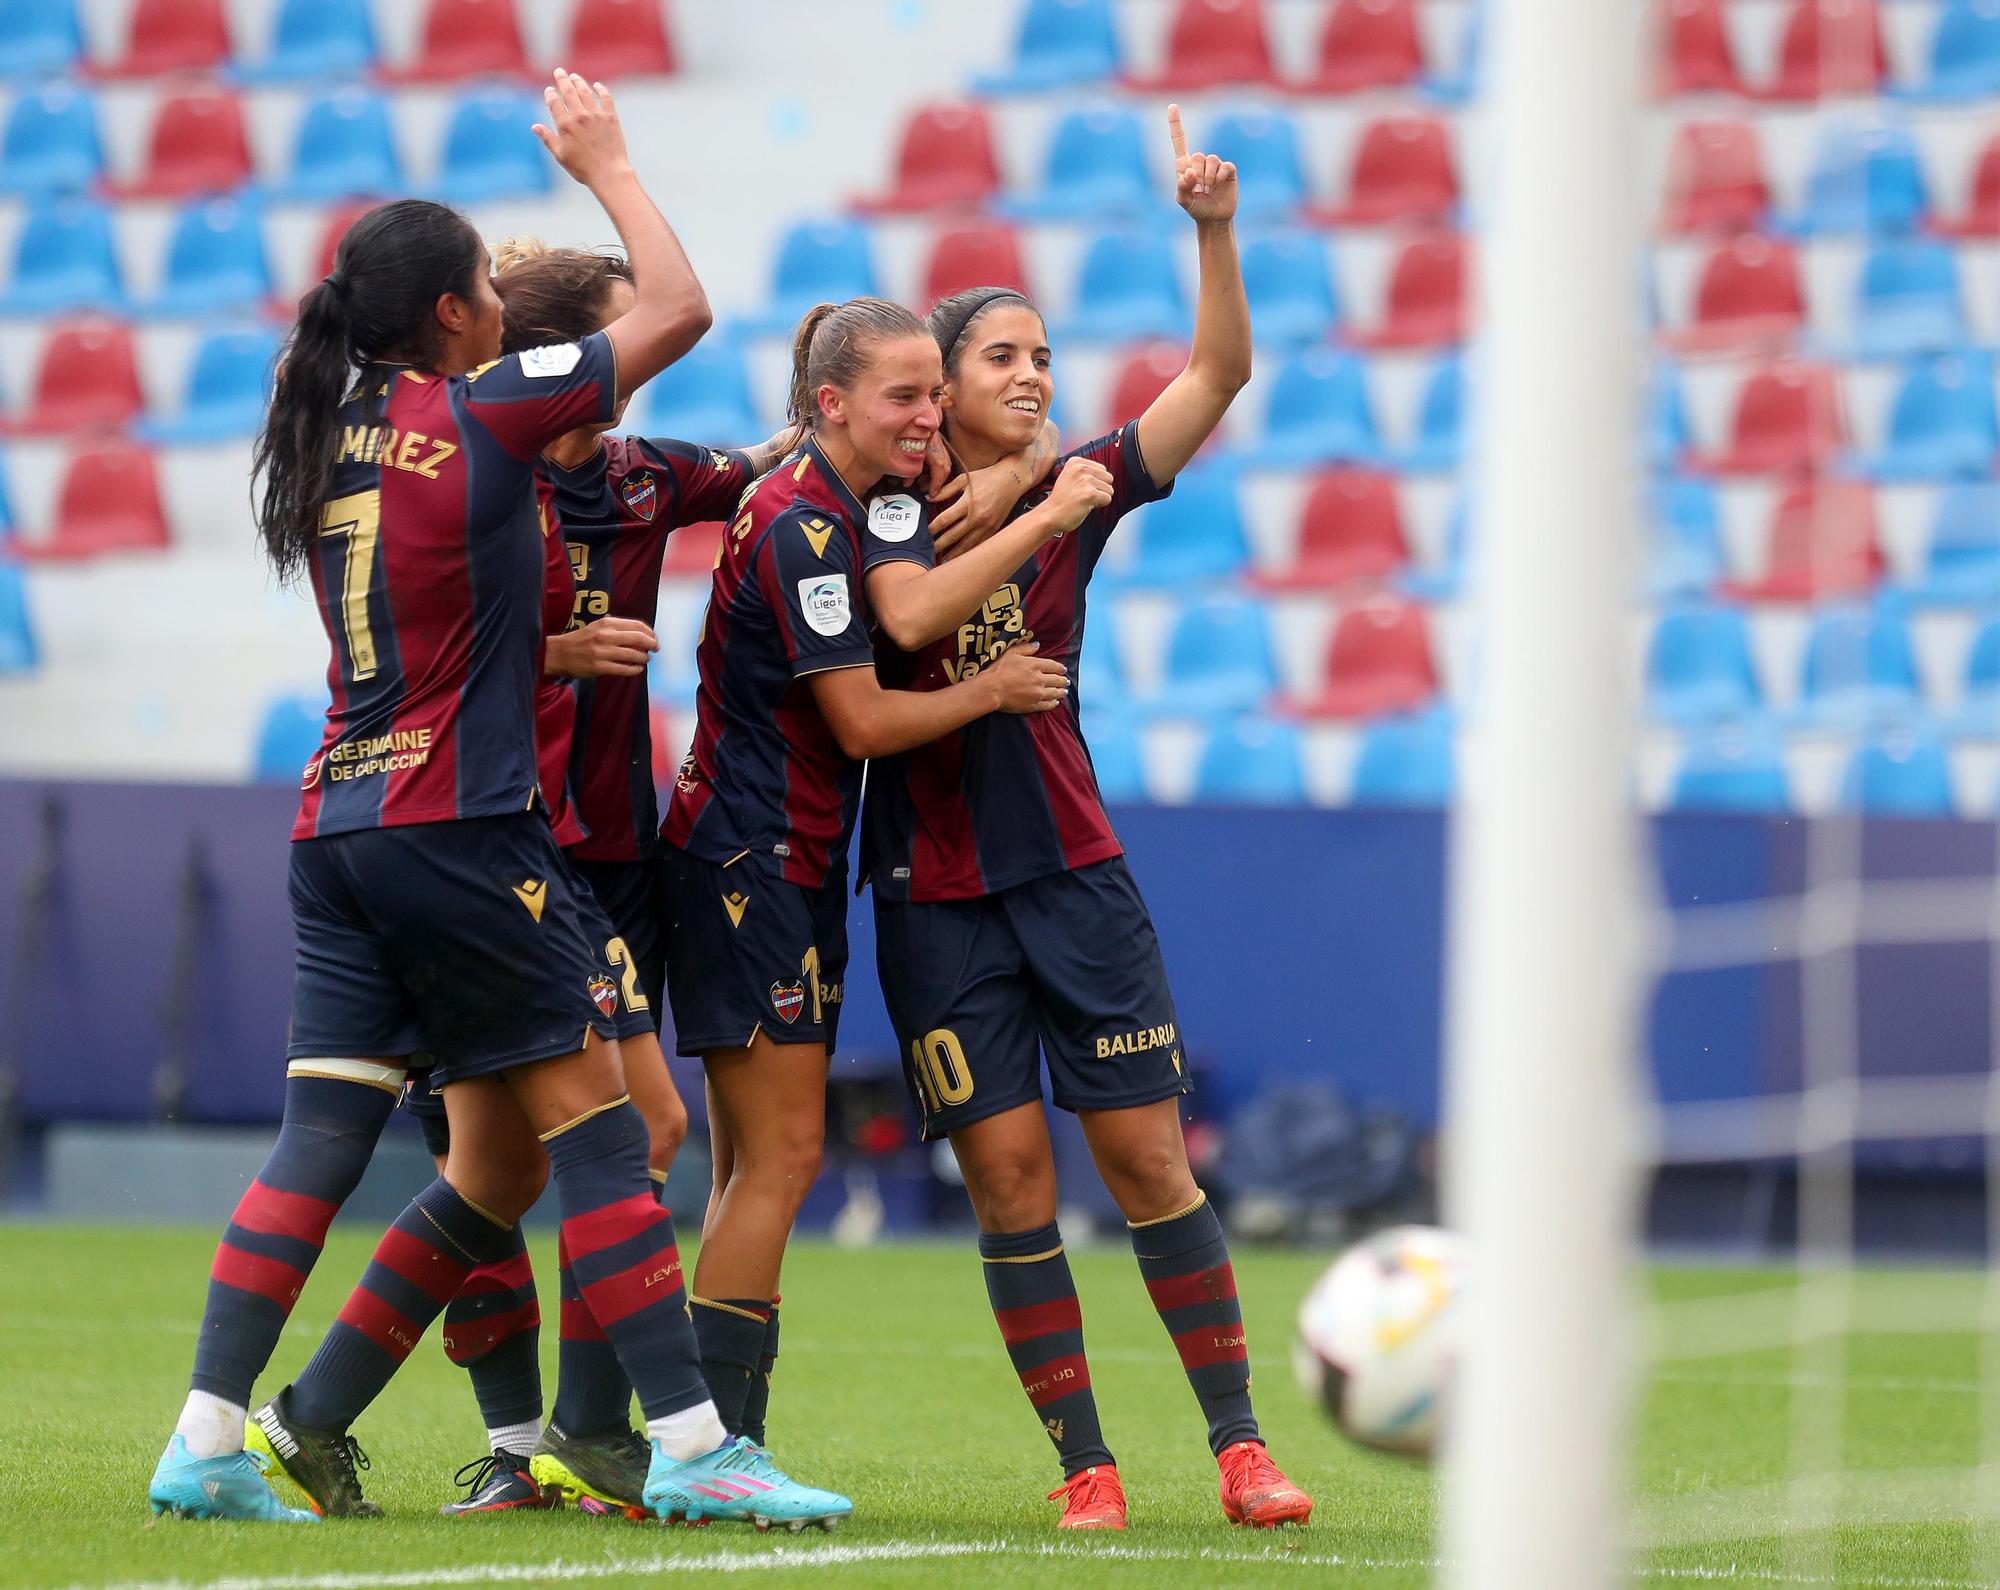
830,348
551,294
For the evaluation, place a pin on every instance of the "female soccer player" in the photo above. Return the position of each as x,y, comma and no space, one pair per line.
1008,922
828,544
433,909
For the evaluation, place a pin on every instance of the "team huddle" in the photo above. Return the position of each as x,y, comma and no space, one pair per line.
492,911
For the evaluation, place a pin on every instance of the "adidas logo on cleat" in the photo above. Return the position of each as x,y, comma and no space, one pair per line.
213,1488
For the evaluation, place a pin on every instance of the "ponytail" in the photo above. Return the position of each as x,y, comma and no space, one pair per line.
830,348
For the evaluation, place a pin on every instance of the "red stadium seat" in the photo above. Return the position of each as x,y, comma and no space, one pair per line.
946,158
467,38
1145,374
1427,295
1379,661
1749,295
691,550
172,36
88,376
1821,542
613,40
1695,52
1982,214
198,145
109,502
1402,171
1351,530
1830,47
331,232
980,254
1211,44
1715,179
1788,419
1367,44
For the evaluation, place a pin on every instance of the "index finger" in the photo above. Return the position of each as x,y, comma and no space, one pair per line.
1174,132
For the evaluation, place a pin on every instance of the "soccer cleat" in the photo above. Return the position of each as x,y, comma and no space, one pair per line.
321,1463
738,1482
1255,1490
231,1485
497,1483
1092,1498
600,1473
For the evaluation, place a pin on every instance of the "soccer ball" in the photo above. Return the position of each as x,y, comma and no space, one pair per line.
1378,1334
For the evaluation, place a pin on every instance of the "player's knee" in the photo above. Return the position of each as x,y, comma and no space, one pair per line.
1013,1192
788,1165
1151,1180
667,1134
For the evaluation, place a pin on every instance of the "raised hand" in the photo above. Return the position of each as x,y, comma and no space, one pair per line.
583,131
1204,185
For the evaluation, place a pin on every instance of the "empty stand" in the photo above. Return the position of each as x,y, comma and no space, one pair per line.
1366,44
1821,542
1059,44
1127,288
1318,411
1716,180
1908,300
1898,772
51,142
1095,168
1405,762
1440,419
1859,666
1699,668
614,41
64,258
216,260
1695,53
87,377
345,149
1193,537
315,39
1964,55
466,38
1220,658
227,389
1829,48
1251,761
1942,424
18,652
489,150
165,36
1686,524
109,501
1270,172
1115,755
977,254
1378,661
1402,170
1288,278
1212,44
818,262
288,738
1981,216
704,397
1962,563
39,37
1350,531
1736,768
1749,295
1788,417
1426,305
945,158
1866,177
198,144
1143,375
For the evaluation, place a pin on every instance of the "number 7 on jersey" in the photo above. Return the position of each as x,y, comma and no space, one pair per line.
359,518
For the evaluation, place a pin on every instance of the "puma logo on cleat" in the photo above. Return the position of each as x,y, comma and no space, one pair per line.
280,1437
534,894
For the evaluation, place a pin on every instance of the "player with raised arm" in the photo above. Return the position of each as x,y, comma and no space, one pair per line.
1009,926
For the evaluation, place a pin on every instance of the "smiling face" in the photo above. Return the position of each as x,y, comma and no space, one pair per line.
889,415
1000,388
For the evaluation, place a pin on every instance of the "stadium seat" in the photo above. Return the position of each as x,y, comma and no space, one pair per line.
945,158
1821,542
1981,217
691,551
18,652
1444,580
1059,44
1457,82
345,149
198,145
1964,56
1686,524
1668,435
1699,668
1095,169
671,677
1318,412
1979,706
1402,170
1350,531
312,40
489,152
215,260
332,229
1127,289
976,254
1426,304
614,41
1908,300
1858,667
1100,677
466,38
109,501
1146,372
1270,173
1962,561
51,143
1440,419
1899,771
1194,536
1288,278
1115,754
1212,43
1715,179
289,736
1251,761
1219,659
1734,767
1829,48
1788,417
704,397
228,388
1749,295
1942,424
40,38
1695,52
1866,178
87,377
1378,661
166,36
64,258
1366,44
818,262
1405,761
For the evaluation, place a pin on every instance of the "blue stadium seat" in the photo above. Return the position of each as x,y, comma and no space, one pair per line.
39,37
1737,767
489,152
1668,434
215,260
1445,581
1686,522
1457,83
1866,177
1219,659
1942,425
51,144
288,738
1100,675
1270,174
1115,753
818,262
1196,534
671,677
1060,43
1962,566
1319,412
345,149
1979,707
1898,772
1127,289
1440,419
18,652
1908,300
704,397
312,40
1859,666
1288,278
1096,169
1964,53
228,388
64,258
1251,761
1405,762
1698,667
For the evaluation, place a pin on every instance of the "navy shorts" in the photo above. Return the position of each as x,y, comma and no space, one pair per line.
629,893
469,942
1067,966
747,951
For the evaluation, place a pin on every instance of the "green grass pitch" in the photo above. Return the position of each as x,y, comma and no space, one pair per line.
893,1387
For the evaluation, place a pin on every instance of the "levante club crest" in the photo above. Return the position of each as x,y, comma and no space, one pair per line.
788,1000
604,993
642,494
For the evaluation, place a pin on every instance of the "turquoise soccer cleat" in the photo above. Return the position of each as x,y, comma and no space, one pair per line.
229,1486
738,1483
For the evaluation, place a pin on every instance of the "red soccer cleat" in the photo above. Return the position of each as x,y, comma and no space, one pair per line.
1093,1498
1255,1490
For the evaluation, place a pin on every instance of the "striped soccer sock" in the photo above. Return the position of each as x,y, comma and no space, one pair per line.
1034,1300
731,1331
421,1261
592,1393
493,1330
1185,1264
757,1406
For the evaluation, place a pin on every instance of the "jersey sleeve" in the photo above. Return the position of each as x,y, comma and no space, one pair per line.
809,574
898,530
528,399
1132,484
708,482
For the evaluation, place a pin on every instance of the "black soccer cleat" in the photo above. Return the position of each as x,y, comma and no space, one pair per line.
600,1473
320,1464
498,1483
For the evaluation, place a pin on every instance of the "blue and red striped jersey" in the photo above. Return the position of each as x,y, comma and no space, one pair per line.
1006,798
615,512
555,706
765,778
429,575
